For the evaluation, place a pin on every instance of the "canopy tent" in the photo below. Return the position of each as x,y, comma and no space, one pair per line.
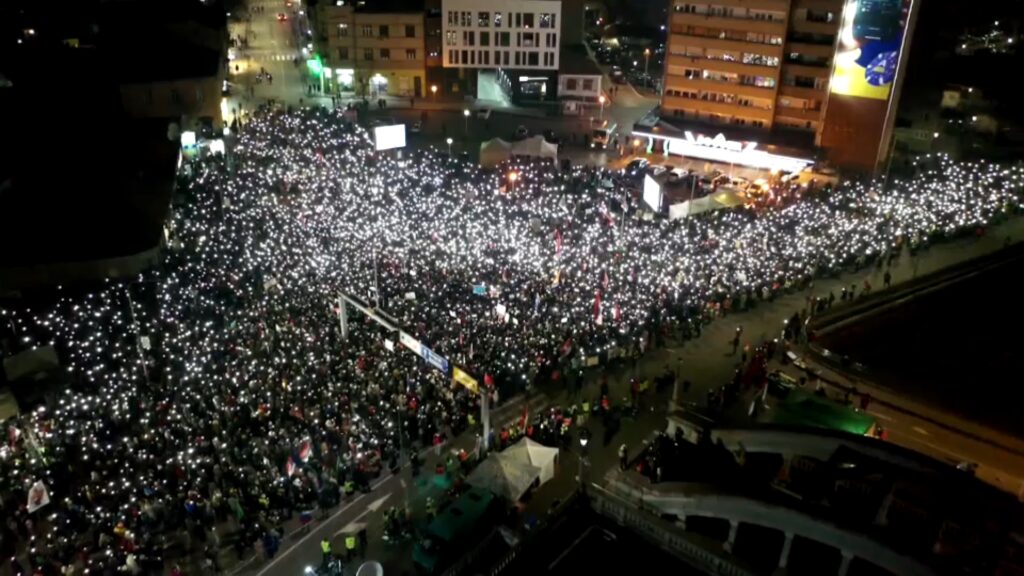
535,146
535,454
494,152
512,472
723,198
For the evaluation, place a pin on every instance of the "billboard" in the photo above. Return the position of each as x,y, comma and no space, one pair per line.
389,137
868,54
652,193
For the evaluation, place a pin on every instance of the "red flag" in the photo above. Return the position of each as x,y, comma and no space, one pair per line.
488,380
526,415
618,312
597,305
304,450
558,241
289,468
605,281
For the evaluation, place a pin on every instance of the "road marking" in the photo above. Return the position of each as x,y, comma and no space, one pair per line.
320,527
920,430
883,417
371,507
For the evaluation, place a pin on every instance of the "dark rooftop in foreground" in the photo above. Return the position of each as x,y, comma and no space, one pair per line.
79,180
574,60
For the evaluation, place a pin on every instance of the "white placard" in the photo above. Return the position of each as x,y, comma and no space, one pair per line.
389,137
652,192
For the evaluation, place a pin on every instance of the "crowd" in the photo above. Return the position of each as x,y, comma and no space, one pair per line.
217,390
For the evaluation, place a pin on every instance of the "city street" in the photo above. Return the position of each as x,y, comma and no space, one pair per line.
707,363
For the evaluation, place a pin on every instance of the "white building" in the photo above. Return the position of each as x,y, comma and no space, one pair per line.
513,34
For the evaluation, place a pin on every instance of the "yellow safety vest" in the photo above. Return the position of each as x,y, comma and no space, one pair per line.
325,546
350,542
586,407
472,420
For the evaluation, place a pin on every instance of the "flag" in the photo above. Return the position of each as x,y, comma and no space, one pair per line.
526,415
558,241
12,435
305,449
597,306
289,467
618,312
605,281
488,380
567,346
38,496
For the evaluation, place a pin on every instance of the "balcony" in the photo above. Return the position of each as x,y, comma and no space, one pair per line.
743,24
773,5
673,82
798,113
723,65
795,69
711,107
683,39
800,24
801,92
812,50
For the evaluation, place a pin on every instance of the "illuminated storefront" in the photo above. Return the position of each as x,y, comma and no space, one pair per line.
719,149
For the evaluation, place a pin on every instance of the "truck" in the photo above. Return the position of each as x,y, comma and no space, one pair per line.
601,133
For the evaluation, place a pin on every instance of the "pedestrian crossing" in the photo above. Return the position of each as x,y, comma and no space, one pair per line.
272,57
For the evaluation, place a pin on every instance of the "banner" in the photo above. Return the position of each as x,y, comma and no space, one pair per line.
410,343
434,359
471,384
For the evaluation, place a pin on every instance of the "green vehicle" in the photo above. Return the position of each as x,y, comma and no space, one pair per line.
456,530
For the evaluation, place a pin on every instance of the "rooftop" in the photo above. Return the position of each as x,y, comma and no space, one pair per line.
574,60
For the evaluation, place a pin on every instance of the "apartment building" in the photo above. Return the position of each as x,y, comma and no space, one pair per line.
760,64
373,49
518,39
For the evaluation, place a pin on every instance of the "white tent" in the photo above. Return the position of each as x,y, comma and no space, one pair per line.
512,472
494,152
504,476
536,454
535,146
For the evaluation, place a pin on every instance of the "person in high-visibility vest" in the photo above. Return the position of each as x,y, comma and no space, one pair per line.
325,547
350,546
350,488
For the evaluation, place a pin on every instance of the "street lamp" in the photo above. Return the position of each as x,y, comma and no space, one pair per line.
512,177
584,440
647,60
601,99
433,90
465,114
449,141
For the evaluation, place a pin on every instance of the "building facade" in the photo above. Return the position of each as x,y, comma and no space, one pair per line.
519,39
775,67
759,64
372,52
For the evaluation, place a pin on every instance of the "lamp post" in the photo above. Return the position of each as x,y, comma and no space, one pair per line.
584,440
512,177
647,60
465,114
433,90
601,99
449,141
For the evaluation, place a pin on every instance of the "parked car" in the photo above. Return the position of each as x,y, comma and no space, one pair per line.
656,170
484,113
521,132
677,174
636,167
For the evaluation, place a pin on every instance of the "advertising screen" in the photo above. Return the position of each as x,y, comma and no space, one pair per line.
388,137
652,193
868,55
